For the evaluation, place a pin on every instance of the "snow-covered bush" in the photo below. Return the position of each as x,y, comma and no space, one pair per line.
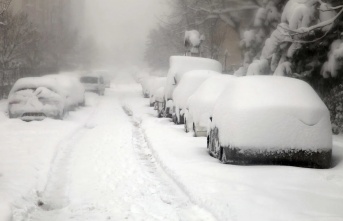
202,101
192,41
300,39
334,65
271,120
259,67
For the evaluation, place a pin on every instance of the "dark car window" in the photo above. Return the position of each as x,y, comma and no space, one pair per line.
89,80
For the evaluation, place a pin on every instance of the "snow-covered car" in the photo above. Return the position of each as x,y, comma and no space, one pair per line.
36,98
106,75
178,66
201,103
271,120
147,84
157,83
189,83
93,83
72,87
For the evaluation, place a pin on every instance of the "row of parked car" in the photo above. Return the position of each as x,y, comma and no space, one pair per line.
52,96
247,120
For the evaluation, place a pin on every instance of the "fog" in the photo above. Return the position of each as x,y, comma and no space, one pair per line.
120,27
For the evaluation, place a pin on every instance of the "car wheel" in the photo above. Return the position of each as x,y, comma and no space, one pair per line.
195,131
186,127
174,119
208,142
222,156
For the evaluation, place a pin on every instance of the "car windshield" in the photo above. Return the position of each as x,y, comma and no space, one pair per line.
89,80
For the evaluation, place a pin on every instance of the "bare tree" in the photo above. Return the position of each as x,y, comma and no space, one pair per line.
14,37
4,4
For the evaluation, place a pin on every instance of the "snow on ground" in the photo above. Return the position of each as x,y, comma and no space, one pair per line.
241,193
94,165
114,160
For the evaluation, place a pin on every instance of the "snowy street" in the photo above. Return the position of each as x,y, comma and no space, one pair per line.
100,169
114,160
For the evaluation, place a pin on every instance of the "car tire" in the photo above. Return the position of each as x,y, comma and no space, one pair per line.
186,127
195,131
222,156
174,118
208,142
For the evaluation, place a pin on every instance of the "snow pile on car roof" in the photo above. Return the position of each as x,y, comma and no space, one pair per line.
189,84
71,86
268,112
182,64
202,101
36,82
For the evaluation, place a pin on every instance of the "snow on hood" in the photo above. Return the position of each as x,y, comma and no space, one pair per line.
270,111
202,101
179,65
189,84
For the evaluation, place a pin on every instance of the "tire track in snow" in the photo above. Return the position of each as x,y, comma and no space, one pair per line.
53,194
169,192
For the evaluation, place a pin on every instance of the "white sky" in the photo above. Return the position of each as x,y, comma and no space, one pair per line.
121,26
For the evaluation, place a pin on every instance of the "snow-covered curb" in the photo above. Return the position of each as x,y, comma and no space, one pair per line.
241,193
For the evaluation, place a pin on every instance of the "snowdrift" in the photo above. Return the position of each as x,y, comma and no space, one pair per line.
272,120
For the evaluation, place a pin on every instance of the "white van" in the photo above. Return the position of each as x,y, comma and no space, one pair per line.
93,83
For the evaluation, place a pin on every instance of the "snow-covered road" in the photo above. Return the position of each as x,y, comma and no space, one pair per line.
114,160
102,169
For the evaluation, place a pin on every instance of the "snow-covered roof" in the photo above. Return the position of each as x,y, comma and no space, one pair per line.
36,82
189,84
202,101
182,64
272,112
